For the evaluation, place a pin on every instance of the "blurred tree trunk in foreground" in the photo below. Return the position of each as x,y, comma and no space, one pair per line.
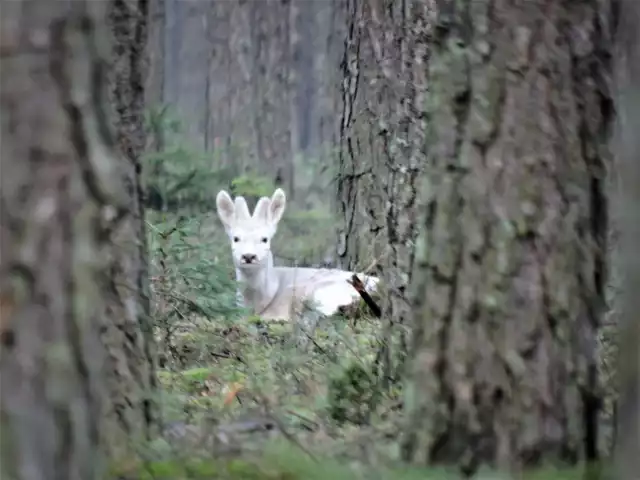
510,271
126,291
62,197
628,108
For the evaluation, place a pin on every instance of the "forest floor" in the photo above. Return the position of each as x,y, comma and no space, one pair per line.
240,400
248,404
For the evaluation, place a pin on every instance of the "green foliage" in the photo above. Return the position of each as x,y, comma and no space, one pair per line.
189,283
184,176
177,176
186,272
221,367
198,374
283,461
353,395
252,185
162,124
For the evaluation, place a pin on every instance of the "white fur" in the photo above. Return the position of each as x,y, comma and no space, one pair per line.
277,292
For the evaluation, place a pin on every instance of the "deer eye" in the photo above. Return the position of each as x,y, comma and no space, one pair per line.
236,239
264,239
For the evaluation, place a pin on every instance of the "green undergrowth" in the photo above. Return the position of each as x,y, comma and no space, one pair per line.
241,399
324,422
222,370
282,461
268,371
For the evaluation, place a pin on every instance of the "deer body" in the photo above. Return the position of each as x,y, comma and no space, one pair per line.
272,292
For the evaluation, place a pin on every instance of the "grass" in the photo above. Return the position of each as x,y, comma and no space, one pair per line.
219,372
239,400
244,402
282,461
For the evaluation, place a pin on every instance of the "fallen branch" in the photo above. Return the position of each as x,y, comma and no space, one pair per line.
356,283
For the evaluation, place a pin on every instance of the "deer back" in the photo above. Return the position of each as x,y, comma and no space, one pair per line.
327,289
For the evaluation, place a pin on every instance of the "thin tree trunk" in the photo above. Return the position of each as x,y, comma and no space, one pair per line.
60,200
269,24
154,86
173,29
305,42
510,273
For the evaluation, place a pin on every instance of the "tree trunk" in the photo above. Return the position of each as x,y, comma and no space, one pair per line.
173,62
383,152
350,169
271,85
510,272
154,86
60,201
129,334
628,108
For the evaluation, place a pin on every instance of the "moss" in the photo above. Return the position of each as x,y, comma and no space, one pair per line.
282,461
198,374
353,395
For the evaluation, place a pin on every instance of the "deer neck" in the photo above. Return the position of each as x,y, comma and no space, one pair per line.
258,288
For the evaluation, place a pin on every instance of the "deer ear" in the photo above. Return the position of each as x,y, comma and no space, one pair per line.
261,212
277,206
226,208
242,209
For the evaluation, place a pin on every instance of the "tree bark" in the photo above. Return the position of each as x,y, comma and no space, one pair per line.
510,271
60,201
350,168
129,325
383,151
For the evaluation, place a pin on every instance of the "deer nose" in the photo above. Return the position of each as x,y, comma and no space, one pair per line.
249,258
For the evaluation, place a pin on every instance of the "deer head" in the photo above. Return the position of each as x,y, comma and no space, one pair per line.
251,235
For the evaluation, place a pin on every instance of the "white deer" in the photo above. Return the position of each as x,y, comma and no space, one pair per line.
277,293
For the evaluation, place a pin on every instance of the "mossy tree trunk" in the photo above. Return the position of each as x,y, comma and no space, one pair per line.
62,203
510,272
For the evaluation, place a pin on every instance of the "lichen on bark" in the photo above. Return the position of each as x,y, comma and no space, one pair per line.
509,273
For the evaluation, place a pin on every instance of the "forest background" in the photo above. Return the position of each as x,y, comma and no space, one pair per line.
479,157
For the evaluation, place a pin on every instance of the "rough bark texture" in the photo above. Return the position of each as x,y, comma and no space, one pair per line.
382,146
509,279
628,108
59,199
126,289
